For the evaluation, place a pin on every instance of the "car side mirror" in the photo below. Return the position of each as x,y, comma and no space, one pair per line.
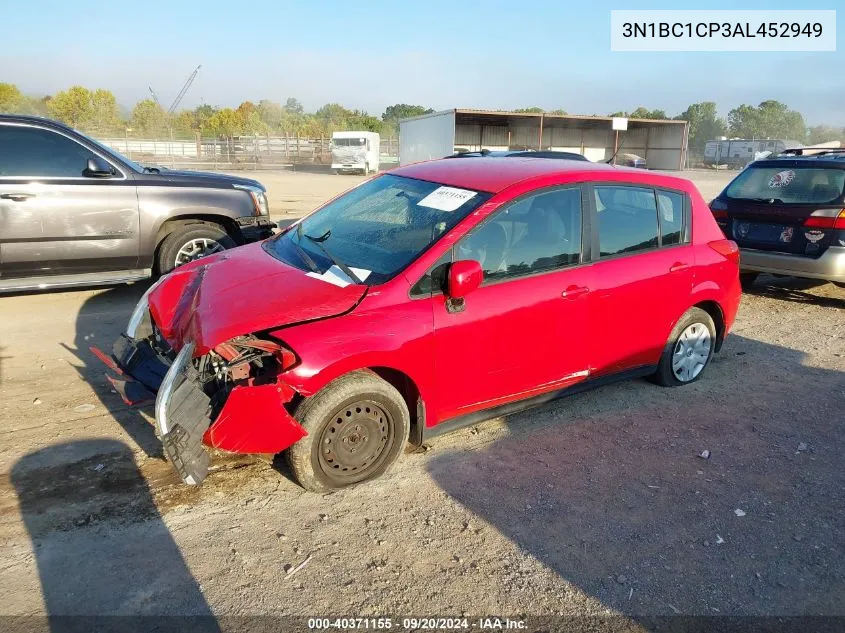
98,168
464,276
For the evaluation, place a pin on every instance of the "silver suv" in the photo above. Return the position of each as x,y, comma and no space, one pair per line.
74,212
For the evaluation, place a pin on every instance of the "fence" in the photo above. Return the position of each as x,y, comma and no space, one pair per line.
237,152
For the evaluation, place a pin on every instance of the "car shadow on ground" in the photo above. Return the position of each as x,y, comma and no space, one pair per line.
795,289
106,560
618,501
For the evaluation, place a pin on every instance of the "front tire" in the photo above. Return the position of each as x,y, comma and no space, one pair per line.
188,242
357,427
688,351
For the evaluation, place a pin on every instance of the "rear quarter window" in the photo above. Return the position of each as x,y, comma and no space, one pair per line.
789,185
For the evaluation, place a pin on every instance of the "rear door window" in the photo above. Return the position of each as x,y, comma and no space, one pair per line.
627,218
788,185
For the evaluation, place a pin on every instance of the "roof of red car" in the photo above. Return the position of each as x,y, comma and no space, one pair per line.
493,174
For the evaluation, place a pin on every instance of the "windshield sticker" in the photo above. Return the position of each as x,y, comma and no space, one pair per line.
781,179
337,277
446,198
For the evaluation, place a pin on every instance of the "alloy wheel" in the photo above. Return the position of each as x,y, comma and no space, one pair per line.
197,248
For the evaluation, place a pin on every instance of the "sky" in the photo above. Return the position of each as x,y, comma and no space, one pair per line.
371,54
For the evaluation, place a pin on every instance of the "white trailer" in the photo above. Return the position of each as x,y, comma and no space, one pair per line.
355,151
738,152
427,137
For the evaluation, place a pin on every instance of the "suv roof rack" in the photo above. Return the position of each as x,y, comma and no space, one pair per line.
530,153
816,151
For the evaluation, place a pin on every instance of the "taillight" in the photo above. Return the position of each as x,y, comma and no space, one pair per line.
727,249
826,219
720,215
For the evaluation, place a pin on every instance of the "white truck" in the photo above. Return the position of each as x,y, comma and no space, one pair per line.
355,151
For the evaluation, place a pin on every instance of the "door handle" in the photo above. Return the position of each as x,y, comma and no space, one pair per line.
679,266
17,197
573,292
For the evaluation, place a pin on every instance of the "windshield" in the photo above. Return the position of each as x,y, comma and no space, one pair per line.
111,151
376,229
796,185
349,142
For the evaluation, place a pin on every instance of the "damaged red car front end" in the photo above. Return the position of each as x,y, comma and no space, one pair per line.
218,381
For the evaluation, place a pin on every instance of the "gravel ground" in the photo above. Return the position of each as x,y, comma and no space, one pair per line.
598,504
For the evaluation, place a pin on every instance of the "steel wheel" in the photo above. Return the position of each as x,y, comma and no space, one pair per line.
196,248
355,442
692,351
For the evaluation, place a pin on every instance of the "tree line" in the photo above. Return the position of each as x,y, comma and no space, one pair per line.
97,112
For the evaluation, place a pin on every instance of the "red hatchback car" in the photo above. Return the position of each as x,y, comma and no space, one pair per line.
427,298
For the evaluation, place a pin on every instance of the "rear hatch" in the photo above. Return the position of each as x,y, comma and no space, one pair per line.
785,206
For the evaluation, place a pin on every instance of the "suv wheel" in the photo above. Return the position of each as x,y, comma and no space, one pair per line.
189,242
357,427
688,351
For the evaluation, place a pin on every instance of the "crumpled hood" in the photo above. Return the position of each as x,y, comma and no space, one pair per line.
241,291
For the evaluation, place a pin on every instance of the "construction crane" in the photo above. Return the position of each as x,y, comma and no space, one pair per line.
155,97
181,94
184,89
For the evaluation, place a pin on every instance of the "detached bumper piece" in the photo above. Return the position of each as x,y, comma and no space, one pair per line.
138,367
182,417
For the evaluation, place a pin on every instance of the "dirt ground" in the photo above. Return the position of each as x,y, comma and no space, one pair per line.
595,505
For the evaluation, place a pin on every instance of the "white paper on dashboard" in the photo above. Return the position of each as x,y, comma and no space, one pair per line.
446,198
336,276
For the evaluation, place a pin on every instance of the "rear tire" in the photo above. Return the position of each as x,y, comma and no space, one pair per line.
191,241
688,351
747,280
357,427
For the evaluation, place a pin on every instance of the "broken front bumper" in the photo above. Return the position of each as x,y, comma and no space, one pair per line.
181,405
182,418
251,419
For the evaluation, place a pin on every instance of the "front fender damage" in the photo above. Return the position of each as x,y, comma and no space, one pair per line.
233,399
255,420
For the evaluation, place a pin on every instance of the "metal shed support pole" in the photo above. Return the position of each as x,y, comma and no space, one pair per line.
540,138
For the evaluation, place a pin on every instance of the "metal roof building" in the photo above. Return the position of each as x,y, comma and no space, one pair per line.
663,143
